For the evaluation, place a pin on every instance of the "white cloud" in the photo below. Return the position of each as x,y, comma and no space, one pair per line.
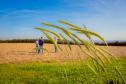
104,16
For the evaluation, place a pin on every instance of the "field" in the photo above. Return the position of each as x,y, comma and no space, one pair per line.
20,64
25,53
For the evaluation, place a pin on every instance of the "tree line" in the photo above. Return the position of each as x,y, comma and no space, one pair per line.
113,43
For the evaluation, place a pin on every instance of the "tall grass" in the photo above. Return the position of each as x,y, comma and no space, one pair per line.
100,58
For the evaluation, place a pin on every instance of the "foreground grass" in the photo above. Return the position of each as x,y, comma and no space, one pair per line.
55,73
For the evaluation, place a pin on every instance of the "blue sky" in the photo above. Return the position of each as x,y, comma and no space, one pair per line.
19,17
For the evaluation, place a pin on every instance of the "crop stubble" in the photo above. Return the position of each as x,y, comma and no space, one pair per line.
25,53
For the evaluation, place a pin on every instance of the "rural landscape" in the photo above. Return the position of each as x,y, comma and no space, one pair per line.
62,51
77,62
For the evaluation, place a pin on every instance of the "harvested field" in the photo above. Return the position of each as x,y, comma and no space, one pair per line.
25,53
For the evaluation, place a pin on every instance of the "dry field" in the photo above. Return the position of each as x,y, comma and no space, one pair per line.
25,53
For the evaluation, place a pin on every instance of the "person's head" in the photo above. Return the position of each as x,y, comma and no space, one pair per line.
41,37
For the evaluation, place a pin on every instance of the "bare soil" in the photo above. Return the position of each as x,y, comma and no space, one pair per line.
25,53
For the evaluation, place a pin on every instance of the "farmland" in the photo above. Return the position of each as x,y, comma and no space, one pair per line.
25,53
20,64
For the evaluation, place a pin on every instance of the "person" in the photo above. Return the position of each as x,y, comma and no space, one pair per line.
36,45
40,45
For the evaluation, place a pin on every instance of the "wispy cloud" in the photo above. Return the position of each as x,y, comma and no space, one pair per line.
104,16
108,17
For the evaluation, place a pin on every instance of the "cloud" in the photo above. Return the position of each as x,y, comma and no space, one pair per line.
104,16
108,17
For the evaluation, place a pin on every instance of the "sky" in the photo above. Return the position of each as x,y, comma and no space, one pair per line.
18,18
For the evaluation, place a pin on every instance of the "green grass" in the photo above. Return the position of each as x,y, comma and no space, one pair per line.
54,73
